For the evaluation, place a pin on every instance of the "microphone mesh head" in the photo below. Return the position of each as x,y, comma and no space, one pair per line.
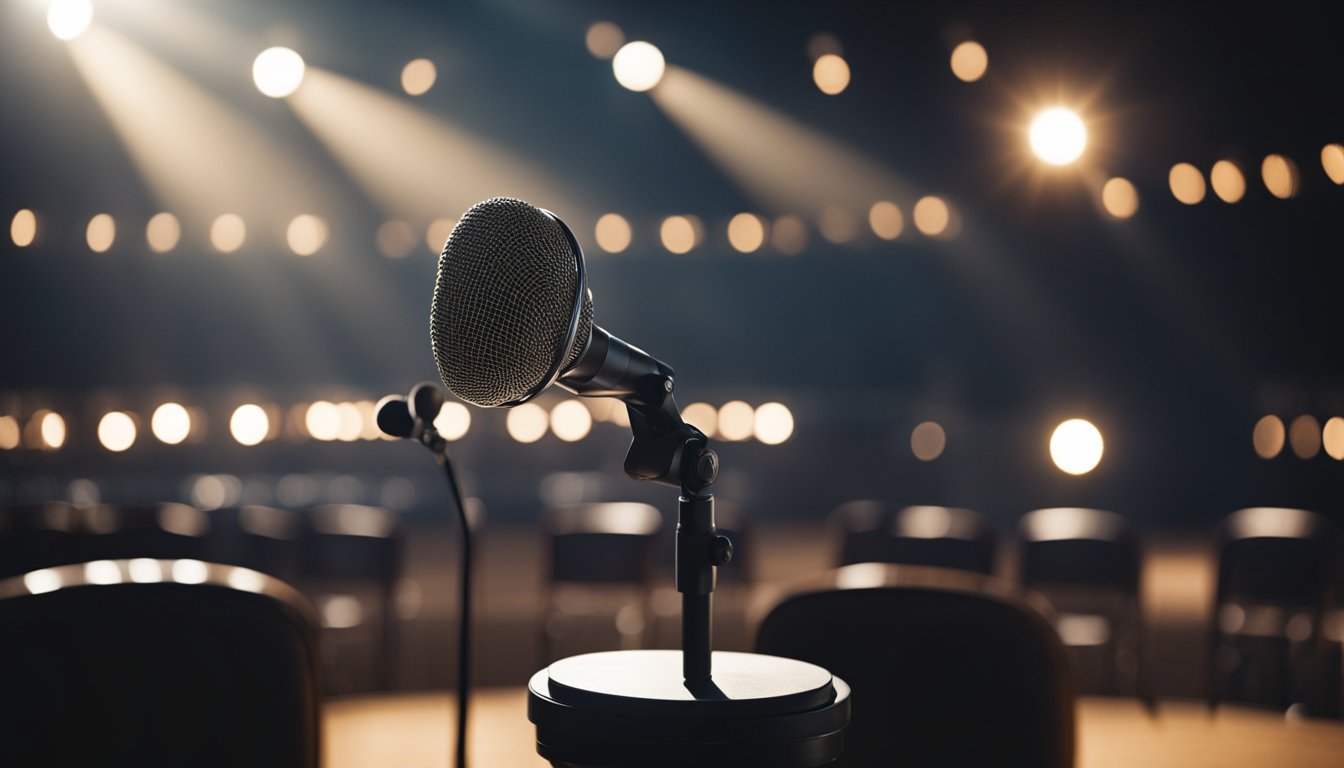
503,301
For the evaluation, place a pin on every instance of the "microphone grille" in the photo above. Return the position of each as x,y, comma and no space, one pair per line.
503,301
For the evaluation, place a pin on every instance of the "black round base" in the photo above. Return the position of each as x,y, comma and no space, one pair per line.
632,708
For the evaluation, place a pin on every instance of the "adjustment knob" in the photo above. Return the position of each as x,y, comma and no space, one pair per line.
720,550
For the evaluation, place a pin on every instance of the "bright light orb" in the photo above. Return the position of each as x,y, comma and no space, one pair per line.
831,74
418,76
1076,446
116,431
969,61
1058,136
278,72
527,423
249,424
571,421
453,421
69,19
171,423
773,423
638,66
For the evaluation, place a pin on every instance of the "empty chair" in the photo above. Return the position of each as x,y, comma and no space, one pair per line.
1086,562
600,562
1276,570
261,538
350,560
944,537
168,530
940,676
37,536
150,662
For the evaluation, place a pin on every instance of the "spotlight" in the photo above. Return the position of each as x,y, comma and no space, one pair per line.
1058,136
69,19
1076,446
638,65
278,72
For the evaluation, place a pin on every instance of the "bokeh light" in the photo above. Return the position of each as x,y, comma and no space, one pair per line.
10,433
249,424
68,19
746,232
349,422
436,235
51,429
228,233
612,233
278,72
1076,446
453,421
1332,160
603,39
1120,198
163,232
527,423
969,61
1227,181
703,417
1332,438
1304,436
23,228
170,423
396,239
1187,183
1058,136
932,216
306,234
928,440
788,235
831,74
773,423
101,233
322,420
418,76
821,43
678,234
737,421
571,421
837,224
116,431
1280,176
1268,436
886,220
638,66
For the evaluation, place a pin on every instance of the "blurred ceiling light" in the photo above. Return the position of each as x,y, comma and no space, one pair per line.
527,423
678,234
571,421
453,421
638,65
837,224
368,419
418,76
1304,435
23,228
396,239
51,428
1280,175
703,417
773,423
163,232
831,74
969,61
278,72
322,420
932,216
9,433
45,580
604,39
788,235
1268,436
821,43
612,233
746,232
737,421
116,431
1187,183
927,440
68,19
170,423
886,220
1227,181
306,234
1120,198
1058,136
349,422
101,233
436,235
1332,160
249,424
228,233
1076,446
1332,438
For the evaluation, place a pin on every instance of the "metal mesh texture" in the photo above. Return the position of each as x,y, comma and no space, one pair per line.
502,302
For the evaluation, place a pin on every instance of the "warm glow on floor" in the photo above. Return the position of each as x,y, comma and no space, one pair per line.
1076,446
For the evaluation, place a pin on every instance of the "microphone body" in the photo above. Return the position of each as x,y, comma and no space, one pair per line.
611,367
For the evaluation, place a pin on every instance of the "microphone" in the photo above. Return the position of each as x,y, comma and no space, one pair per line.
512,314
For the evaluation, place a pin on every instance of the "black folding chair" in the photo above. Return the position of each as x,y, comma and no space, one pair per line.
940,676
151,662
1276,573
944,537
1087,563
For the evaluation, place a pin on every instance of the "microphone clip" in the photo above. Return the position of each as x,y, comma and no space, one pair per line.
665,449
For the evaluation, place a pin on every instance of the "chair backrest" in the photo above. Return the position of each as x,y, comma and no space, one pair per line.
168,531
1078,547
351,541
943,537
611,542
156,662
261,538
1276,555
940,676
38,536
